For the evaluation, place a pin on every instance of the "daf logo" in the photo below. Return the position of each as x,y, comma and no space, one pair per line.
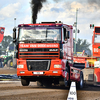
53,49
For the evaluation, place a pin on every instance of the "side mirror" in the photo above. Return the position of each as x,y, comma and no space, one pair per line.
64,32
14,35
67,34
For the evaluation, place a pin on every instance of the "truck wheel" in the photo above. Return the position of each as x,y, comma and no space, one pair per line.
39,83
67,77
81,82
25,82
14,63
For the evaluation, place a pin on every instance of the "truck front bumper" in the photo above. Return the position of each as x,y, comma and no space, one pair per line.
39,73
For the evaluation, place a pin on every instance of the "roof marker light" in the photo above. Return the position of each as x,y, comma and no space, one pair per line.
91,25
55,21
59,21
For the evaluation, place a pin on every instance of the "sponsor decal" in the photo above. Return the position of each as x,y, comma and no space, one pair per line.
95,49
39,46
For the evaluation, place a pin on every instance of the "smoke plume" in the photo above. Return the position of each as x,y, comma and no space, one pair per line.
94,2
36,6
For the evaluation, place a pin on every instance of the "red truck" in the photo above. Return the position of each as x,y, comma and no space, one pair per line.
96,53
45,54
96,42
91,65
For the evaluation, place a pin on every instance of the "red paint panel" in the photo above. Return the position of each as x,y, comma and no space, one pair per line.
97,73
96,50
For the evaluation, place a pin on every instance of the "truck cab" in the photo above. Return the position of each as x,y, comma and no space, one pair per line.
45,53
96,42
96,53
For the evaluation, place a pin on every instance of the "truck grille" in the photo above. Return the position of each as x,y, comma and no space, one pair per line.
38,53
37,65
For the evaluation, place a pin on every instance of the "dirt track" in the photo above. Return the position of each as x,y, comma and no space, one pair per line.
14,91
8,70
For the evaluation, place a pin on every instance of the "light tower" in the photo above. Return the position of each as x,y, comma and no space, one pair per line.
75,25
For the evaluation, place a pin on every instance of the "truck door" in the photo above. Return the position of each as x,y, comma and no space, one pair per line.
68,44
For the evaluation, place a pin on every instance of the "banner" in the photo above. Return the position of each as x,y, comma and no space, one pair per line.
2,29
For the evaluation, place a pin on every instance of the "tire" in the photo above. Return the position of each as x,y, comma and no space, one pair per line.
24,82
66,79
39,83
14,63
67,74
10,63
80,84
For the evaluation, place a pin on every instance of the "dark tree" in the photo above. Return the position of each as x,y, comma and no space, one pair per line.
7,41
83,45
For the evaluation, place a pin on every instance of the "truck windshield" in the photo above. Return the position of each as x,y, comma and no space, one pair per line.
39,33
97,39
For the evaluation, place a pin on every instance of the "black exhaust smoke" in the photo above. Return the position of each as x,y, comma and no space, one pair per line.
36,6
94,2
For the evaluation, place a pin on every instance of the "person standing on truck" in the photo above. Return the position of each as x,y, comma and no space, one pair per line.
1,60
65,39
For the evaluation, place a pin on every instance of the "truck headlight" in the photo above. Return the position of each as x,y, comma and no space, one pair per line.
57,66
20,66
